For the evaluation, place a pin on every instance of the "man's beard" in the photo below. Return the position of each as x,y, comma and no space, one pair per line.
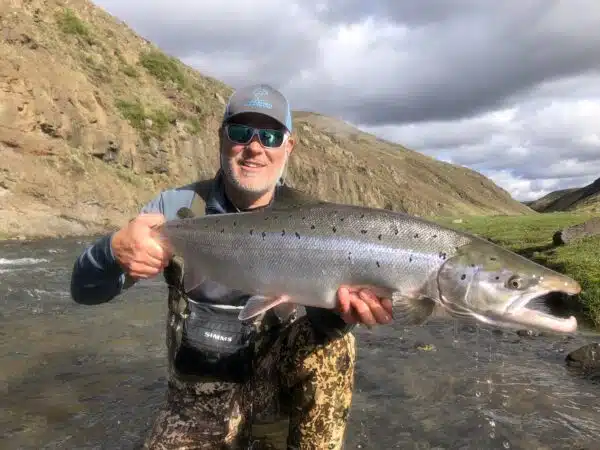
251,188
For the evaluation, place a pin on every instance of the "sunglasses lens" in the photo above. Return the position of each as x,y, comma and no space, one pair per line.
271,138
239,133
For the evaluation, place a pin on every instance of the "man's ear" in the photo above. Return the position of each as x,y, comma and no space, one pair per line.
290,144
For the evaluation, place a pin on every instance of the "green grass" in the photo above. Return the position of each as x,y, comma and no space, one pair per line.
129,71
531,236
136,114
70,23
164,68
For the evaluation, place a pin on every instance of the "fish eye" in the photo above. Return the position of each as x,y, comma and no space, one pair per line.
514,282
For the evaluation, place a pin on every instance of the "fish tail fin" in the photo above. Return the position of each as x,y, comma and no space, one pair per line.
258,304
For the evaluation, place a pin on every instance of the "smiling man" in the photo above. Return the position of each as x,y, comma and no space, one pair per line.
279,382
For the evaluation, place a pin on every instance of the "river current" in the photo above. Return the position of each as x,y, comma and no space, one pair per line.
92,377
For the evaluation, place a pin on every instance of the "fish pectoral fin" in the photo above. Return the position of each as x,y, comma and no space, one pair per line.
412,310
258,304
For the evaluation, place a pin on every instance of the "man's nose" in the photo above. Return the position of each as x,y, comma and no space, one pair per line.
254,145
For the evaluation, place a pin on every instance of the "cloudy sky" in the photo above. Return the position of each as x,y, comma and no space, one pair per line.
510,88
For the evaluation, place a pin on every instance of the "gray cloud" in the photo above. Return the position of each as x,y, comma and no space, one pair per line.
509,88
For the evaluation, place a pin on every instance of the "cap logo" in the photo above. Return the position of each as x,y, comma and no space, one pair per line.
257,101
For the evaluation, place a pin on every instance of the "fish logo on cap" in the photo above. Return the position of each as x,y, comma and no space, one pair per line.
257,101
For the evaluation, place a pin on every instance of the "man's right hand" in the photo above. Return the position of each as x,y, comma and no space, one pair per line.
136,249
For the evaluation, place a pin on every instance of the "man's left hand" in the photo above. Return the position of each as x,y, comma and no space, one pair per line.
359,305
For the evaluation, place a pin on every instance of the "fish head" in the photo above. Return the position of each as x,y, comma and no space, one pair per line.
494,285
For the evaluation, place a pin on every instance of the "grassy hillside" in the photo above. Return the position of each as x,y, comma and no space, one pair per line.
95,120
531,236
586,198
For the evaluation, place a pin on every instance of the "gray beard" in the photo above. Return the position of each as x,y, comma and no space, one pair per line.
230,175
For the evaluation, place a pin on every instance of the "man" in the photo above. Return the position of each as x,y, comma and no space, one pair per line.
278,382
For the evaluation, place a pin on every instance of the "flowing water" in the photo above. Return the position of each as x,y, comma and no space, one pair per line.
92,377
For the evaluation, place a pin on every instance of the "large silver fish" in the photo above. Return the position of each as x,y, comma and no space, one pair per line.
301,255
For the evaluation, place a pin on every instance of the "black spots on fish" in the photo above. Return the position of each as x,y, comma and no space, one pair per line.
251,232
290,216
362,216
442,255
266,218
497,277
342,219
312,227
410,259
222,230
283,232
297,235
416,236
234,223
303,217
349,256
263,234
379,237
463,276
363,231
396,231
493,258
434,236
334,229
377,264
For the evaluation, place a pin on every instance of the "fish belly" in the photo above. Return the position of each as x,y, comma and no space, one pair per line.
308,269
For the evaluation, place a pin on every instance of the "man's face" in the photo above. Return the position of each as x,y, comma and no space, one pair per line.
253,167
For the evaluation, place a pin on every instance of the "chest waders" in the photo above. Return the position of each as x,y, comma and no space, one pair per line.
293,387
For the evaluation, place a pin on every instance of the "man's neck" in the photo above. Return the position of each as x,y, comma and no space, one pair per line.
244,201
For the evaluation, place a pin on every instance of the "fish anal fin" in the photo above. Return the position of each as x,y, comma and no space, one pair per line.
412,309
258,304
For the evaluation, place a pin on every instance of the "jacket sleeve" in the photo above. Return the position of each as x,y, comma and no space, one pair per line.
97,277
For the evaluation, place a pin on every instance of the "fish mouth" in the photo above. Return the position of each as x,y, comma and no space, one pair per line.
523,311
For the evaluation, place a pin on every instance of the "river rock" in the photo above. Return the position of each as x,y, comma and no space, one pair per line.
576,232
586,358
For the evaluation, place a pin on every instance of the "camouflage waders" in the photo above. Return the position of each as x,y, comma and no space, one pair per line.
298,394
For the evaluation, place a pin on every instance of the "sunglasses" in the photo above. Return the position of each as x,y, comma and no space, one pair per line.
242,134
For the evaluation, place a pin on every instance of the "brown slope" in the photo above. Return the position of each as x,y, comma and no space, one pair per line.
578,199
95,120
543,202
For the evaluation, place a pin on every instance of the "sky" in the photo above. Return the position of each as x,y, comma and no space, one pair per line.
510,89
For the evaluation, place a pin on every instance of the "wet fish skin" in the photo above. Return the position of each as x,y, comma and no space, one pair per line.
303,254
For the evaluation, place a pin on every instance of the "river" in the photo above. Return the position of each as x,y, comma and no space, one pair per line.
92,377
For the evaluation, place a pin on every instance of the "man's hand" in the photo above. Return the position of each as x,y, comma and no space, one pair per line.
137,251
358,305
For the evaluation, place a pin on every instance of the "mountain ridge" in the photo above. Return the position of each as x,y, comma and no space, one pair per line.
586,198
96,120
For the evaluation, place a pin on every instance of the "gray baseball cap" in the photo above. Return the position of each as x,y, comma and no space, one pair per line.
262,99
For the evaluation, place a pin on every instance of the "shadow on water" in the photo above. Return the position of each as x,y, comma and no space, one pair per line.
81,377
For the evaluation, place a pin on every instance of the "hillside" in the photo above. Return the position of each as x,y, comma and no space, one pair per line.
586,198
95,120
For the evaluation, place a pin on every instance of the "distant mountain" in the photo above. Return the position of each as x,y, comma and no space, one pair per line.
95,120
586,198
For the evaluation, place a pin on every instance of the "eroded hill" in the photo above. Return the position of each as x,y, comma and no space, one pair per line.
94,120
